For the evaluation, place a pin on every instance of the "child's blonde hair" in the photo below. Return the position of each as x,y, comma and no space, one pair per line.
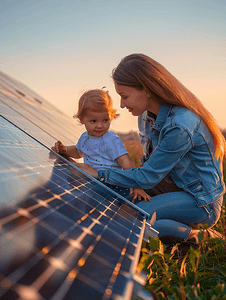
95,100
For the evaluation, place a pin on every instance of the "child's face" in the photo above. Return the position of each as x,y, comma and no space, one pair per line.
96,123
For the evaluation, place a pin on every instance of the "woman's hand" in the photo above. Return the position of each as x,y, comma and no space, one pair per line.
86,168
139,194
60,148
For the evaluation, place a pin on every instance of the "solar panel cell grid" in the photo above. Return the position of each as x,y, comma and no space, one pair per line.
63,236
42,121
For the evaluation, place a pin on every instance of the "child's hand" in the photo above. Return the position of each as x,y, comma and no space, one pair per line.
60,148
139,194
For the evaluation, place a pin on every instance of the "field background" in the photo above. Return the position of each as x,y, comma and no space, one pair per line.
132,143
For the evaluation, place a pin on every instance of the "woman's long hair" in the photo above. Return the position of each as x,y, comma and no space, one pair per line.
142,72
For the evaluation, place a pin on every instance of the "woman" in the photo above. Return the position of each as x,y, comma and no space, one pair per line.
183,149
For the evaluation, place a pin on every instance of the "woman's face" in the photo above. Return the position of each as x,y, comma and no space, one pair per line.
136,101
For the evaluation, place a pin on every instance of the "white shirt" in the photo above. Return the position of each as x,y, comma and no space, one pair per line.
101,152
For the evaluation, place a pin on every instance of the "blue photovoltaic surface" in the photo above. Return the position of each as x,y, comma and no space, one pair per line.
63,234
35,115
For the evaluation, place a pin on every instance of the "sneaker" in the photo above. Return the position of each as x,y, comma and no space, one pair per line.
193,236
206,233
211,233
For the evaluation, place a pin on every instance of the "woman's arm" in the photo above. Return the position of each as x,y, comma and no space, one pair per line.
86,168
166,155
126,163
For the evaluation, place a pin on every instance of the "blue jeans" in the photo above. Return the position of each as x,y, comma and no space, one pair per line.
177,213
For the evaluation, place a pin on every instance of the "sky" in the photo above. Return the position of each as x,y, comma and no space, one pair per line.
62,48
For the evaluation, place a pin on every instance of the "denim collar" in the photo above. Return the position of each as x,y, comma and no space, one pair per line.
162,116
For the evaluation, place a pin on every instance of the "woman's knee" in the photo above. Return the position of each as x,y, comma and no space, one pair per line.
171,229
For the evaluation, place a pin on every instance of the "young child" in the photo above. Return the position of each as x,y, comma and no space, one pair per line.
100,147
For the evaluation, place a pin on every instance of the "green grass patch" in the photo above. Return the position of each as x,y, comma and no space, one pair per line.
198,275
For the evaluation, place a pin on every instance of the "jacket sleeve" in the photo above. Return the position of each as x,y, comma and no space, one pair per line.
174,145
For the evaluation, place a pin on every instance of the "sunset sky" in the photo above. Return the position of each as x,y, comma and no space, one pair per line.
62,48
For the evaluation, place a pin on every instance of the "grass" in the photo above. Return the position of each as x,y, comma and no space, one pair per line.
199,275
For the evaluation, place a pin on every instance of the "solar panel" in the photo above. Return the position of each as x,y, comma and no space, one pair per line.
64,235
38,118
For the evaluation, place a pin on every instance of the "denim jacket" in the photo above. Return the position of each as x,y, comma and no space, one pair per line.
183,147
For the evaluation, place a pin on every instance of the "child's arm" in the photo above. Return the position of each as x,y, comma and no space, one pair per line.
126,163
70,151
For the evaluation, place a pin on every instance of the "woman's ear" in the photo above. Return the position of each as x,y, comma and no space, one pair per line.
147,94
